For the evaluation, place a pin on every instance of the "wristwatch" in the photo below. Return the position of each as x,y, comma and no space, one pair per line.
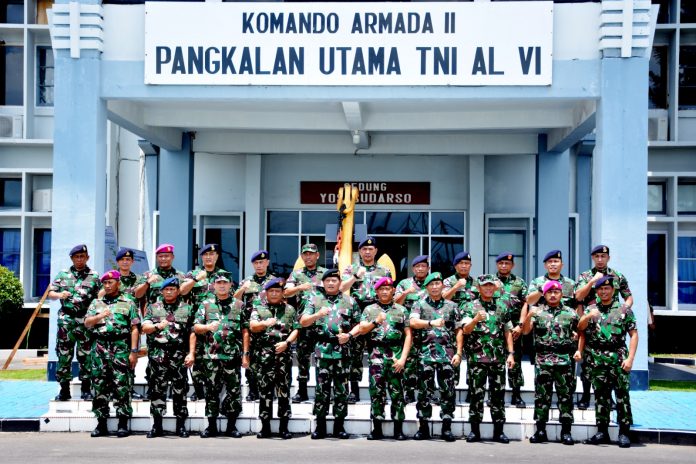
134,350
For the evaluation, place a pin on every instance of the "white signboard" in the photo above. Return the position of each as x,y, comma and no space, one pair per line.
453,43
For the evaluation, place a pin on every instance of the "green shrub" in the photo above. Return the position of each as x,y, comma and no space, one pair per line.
11,292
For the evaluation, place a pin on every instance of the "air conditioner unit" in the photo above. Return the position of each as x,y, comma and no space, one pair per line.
42,200
10,127
657,128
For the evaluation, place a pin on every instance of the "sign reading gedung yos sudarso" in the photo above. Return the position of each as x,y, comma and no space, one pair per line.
370,192
250,43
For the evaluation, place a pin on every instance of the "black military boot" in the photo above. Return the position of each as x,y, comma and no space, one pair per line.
86,390
566,437
265,429
584,401
354,396
320,430
301,394
181,427
64,394
198,392
540,435
517,398
601,437
156,430
339,431
100,430
253,394
122,430
399,431
498,433
447,430
475,434
624,440
231,430
211,430
376,433
283,431
423,432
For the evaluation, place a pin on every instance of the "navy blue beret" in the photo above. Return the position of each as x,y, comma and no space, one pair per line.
172,281
82,248
419,259
261,254
330,273
369,241
605,280
505,256
209,247
276,282
461,256
553,254
600,249
124,253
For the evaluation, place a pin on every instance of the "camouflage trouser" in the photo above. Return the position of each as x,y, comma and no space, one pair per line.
411,375
227,373
274,373
328,371
495,374
515,377
167,365
357,350
111,375
305,349
71,332
585,368
544,379
383,379
250,372
606,378
426,389
198,375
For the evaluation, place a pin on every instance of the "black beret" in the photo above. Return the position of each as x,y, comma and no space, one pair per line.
81,248
330,273
553,254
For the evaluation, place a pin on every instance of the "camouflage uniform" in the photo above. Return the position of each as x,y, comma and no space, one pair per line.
568,290
331,358
111,372
273,369
554,329
363,292
436,352
222,354
153,292
167,350
128,284
514,291
385,345
462,296
605,344
83,286
411,374
485,349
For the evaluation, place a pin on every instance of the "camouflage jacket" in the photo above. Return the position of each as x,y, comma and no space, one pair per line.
179,315
438,343
411,298
226,342
344,313
463,294
124,315
386,340
153,292
302,276
286,321
128,284
204,289
486,343
620,285
364,290
568,298
605,338
514,292
83,286
554,330
255,291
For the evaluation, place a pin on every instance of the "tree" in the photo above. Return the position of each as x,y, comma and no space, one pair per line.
11,292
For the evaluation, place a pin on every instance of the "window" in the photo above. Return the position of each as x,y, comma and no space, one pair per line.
657,92
10,194
686,196
42,260
44,76
229,241
11,75
657,200
12,11
9,249
663,16
510,241
688,12
657,269
686,265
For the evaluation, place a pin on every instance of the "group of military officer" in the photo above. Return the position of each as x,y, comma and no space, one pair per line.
416,335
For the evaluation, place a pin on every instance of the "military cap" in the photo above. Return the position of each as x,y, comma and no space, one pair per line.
553,254
369,241
330,273
261,254
600,249
172,281
486,279
222,276
505,256
277,282
419,259
310,247
432,277
461,256
124,253
164,248
604,280
112,274
209,247
384,281
82,248
551,285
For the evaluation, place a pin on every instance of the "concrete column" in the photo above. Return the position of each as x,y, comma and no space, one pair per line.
619,184
583,197
475,225
254,220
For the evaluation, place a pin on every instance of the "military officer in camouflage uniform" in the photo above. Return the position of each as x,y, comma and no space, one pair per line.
249,290
360,278
386,325
150,283
605,325
300,286
553,262
441,353
75,288
555,327
488,332
585,295
408,292
171,349
276,324
114,321
221,320
513,289
332,315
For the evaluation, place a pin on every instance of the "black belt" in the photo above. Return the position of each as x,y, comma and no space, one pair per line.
605,346
112,337
169,346
386,343
73,312
555,349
